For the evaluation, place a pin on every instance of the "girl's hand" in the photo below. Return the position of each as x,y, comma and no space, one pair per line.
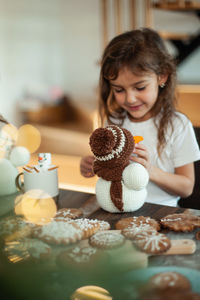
142,156
86,166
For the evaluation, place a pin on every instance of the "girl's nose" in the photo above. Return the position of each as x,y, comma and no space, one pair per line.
130,97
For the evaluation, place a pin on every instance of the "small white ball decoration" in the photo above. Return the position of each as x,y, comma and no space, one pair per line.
19,156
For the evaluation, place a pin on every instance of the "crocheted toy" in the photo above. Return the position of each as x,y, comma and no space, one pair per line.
121,186
11,157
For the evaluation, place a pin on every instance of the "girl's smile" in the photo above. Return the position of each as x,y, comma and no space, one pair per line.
136,94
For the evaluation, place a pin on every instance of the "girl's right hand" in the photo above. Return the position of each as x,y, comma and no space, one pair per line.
86,166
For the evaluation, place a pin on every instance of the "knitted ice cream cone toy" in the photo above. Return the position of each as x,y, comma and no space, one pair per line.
121,186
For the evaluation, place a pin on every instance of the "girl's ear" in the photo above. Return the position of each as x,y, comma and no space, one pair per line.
162,79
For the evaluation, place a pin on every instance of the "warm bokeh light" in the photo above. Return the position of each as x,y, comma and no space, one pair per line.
8,137
36,207
29,137
92,292
10,131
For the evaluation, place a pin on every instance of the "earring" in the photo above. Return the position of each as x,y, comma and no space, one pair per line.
162,85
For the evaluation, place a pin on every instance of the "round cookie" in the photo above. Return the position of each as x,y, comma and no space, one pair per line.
27,249
131,232
104,225
137,221
87,226
59,233
180,222
14,227
197,235
152,242
168,280
91,292
107,239
65,214
78,255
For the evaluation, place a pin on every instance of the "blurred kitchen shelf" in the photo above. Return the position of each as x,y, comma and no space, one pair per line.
189,102
184,43
65,129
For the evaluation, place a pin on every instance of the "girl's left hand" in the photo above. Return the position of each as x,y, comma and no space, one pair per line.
142,156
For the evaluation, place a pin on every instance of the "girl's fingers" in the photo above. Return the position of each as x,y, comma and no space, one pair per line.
86,166
142,155
141,152
140,160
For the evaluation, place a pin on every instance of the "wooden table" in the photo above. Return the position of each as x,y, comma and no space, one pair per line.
91,209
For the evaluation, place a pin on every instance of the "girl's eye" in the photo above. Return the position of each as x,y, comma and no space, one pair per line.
140,88
118,90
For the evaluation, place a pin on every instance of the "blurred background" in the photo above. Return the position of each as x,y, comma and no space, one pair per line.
50,52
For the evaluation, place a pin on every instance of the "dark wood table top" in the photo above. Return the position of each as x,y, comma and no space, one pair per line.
91,209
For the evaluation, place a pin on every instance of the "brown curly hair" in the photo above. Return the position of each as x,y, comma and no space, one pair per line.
141,50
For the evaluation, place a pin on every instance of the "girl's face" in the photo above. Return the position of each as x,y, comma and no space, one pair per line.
136,94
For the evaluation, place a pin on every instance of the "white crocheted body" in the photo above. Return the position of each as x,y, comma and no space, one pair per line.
135,179
135,176
132,199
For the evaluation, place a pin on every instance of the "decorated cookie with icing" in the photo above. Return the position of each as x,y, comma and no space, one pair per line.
104,225
107,239
78,256
59,233
180,222
137,222
152,242
131,232
64,214
27,249
87,226
14,227
197,235
168,280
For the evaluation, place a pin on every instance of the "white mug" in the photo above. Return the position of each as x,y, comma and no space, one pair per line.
45,180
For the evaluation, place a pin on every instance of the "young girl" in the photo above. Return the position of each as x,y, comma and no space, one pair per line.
137,92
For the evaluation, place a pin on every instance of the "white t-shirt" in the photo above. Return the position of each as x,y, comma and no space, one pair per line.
181,148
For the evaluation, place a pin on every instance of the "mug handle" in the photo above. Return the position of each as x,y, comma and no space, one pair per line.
19,186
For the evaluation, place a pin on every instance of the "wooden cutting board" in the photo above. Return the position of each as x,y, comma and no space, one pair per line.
183,246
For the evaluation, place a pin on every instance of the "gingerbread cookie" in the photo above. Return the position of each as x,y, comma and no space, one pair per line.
107,239
13,225
103,225
59,233
80,255
197,235
137,221
65,214
87,226
166,280
152,242
180,222
131,232
27,249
